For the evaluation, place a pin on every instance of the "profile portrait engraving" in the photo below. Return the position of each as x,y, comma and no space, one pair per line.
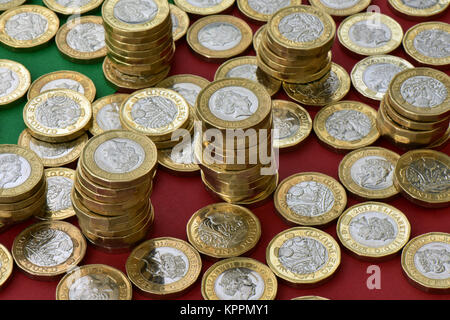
14,170
108,117
233,103
377,77
119,155
94,287
63,84
246,71
239,284
373,229
135,11
285,123
369,34
219,36
164,265
9,81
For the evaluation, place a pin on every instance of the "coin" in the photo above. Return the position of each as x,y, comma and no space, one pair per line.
179,159
257,37
261,11
16,80
27,26
6,265
426,9
331,88
82,39
59,115
310,298
8,4
204,8
303,256
105,113
219,37
63,80
370,33
372,75
94,282
341,8
423,262
188,85
346,125
247,68
34,251
422,176
180,22
163,266
72,8
428,43
239,279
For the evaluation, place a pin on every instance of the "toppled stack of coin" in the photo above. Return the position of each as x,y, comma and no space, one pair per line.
113,184
296,45
235,148
415,111
139,42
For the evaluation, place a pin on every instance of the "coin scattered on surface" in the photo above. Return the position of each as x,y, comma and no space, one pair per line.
180,22
421,9
69,8
188,85
16,80
341,8
181,158
8,4
6,265
261,11
204,8
105,113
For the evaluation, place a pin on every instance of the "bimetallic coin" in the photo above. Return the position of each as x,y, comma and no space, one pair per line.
262,10
47,250
94,282
105,113
15,81
163,266
239,279
368,173
8,4
6,265
373,230
341,8
72,7
425,262
372,75
258,36
180,22
370,33
181,158
420,9
303,256
204,7
188,85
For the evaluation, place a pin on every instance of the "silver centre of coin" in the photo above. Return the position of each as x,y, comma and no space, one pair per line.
175,22
47,150
63,84
219,36
423,91
154,112
370,34
9,81
373,229
420,4
378,76
340,4
433,260
94,287
58,193
108,117
233,103
348,125
164,265
320,89
373,172
433,43
246,71
189,91
86,37
119,155
14,170
301,27
58,112
135,11
184,153
2,2
239,284
204,3
72,3
310,199
285,123
268,7
26,26
429,175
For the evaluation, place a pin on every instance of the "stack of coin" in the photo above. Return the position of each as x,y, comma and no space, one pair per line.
113,184
235,150
139,41
296,44
415,111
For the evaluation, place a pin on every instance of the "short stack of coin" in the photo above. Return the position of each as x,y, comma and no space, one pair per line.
296,45
231,166
415,111
139,40
113,184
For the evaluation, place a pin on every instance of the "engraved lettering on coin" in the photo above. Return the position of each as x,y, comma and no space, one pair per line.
233,103
372,172
26,26
63,84
239,284
301,27
433,43
119,155
94,287
219,36
189,91
86,37
423,91
135,11
268,6
47,150
429,175
340,4
373,229
204,3
302,255
58,111
9,81
164,265
154,112
433,260
420,4
369,34
48,248
286,123
348,125
246,71
58,193
72,3
320,89
222,230
14,170
310,199
378,76
108,117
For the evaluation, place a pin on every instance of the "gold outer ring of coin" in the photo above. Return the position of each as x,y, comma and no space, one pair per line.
101,103
136,261
310,298
257,16
349,160
178,168
6,265
292,217
41,40
411,50
87,84
102,271
11,4
183,22
409,190
53,272
257,37
409,265
370,18
74,54
150,64
303,118
146,42
69,10
218,269
441,142
186,6
24,77
253,232
365,251
319,126
438,8
305,93
358,73
153,53
308,279
219,55
357,7
271,84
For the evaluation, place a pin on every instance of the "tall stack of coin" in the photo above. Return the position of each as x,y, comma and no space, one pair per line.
113,184
235,148
415,111
139,42
296,44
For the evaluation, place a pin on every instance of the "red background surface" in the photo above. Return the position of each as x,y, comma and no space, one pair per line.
176,198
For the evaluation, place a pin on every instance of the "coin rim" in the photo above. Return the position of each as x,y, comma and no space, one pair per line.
24,81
